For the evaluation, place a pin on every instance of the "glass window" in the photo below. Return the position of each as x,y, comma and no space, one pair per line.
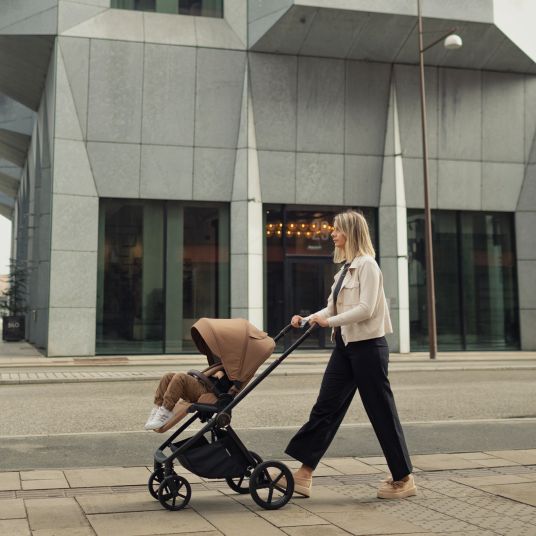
130,286
162,265
200,8
475,281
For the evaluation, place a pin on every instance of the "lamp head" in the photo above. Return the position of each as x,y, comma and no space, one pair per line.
452,42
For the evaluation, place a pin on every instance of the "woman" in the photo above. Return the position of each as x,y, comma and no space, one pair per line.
358,315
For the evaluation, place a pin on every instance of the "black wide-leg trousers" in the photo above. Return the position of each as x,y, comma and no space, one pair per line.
362,366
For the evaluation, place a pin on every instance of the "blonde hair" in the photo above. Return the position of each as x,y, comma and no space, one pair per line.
355,228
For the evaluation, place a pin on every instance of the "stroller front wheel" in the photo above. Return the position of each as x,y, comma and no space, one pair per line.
271,485
154,482
174,492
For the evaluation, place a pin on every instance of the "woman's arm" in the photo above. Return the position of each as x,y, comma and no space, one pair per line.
369,288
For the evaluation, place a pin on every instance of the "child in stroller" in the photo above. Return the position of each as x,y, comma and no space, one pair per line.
176,391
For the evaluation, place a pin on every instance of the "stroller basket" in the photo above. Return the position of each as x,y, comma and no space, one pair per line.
220,458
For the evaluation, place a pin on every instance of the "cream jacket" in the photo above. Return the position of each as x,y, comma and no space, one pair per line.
362,311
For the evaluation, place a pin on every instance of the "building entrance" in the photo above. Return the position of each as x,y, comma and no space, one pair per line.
309,283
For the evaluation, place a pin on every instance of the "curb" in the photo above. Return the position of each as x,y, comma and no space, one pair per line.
11,378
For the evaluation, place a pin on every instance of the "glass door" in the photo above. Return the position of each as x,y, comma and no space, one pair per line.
308,283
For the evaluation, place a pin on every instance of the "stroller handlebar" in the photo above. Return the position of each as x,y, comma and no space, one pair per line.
303,324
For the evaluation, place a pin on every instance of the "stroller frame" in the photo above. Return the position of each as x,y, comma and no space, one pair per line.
167,486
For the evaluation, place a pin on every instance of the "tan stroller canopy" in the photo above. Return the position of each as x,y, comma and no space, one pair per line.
237,344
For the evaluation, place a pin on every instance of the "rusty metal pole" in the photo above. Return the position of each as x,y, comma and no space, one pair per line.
430,288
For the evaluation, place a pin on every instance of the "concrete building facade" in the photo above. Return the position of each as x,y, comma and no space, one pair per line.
160,166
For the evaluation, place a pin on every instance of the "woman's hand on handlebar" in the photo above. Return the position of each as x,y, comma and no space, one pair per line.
320,320
296,321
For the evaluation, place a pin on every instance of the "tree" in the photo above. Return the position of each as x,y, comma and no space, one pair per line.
15,297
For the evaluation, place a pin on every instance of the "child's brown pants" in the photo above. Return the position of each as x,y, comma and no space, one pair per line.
173,387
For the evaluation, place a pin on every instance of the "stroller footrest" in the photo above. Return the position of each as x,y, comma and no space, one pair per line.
206,408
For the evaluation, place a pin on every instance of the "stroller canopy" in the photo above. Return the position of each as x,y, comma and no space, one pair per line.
237,344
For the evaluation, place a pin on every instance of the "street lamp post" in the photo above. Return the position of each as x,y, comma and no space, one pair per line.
452,41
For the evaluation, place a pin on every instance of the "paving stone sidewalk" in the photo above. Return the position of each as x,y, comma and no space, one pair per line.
470,494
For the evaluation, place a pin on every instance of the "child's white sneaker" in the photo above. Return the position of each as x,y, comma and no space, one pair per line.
151,417
161,417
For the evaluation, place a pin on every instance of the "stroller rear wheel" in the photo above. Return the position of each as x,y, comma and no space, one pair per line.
174,492
271,485
240,484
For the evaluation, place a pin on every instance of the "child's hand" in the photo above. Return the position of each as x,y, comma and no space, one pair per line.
218,374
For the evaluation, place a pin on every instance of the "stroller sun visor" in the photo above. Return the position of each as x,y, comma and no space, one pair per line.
239,345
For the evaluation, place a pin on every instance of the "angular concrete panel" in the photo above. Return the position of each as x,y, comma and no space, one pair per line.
278,176
527,195
319,179
414,182
527,321
236,16
530,119
362,180
525,235
71,332
166,172
281,32
213,174
161,28
409,109
239,239
239,281
73,281
503,114
40,21
74,223
273,89
371,43
116,168
460,114
216,33
120,24
73,13
168,95
220,78
258,10
72,172
501,185
389,243
15,12
75,52
526,275
320,105
459,185
367,101
115,92
322,40
240,179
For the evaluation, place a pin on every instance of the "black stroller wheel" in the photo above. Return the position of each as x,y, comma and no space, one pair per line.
154,482
240,484
174,492
271,485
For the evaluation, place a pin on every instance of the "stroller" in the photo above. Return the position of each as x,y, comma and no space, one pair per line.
216,451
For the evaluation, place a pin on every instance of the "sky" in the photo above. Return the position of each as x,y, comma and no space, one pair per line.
5,244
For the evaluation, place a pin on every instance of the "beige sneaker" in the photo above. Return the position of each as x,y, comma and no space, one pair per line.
397,489
302,486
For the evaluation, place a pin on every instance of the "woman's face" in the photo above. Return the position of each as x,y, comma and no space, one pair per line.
339,238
